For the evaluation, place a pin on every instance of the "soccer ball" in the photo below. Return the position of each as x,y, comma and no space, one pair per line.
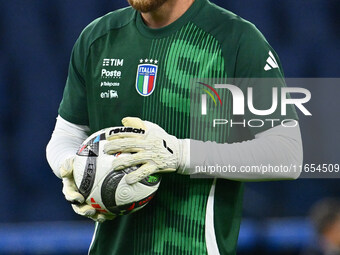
103,188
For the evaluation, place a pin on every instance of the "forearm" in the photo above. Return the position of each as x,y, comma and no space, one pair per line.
65,141
277,146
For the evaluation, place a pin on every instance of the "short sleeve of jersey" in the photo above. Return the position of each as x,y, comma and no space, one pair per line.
73,106
259,67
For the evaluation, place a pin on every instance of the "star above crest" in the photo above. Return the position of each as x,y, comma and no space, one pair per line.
148,61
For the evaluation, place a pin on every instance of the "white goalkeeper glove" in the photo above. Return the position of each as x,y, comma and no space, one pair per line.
154,150
76,199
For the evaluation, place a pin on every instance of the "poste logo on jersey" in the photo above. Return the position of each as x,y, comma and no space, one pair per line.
146,77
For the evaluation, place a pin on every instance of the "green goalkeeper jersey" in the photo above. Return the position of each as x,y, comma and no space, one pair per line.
120,67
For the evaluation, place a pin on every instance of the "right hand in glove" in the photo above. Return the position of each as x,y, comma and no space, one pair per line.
76,199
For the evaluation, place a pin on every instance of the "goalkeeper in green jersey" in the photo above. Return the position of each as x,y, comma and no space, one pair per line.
136,64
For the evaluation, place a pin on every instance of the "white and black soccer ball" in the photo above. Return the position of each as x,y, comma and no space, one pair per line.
103,188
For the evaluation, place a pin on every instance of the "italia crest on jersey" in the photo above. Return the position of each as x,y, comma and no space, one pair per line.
146,78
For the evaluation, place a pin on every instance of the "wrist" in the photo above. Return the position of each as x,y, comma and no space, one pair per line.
184,156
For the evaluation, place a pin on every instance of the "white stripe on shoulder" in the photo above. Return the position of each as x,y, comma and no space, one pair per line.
210,237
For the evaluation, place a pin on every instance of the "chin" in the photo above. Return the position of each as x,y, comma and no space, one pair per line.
146,5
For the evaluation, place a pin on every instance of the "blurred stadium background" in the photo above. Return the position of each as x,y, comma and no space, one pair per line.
35,44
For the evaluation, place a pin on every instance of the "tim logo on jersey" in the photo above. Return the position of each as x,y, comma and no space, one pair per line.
146,77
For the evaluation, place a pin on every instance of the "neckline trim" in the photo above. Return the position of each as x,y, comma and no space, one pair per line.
174,26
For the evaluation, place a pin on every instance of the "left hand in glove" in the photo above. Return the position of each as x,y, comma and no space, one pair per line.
153,149
72,194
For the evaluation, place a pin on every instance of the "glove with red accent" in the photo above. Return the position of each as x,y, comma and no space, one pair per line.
72,194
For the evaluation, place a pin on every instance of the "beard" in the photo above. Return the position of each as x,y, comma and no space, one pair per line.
146,5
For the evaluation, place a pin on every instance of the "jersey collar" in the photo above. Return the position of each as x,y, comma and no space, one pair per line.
173,27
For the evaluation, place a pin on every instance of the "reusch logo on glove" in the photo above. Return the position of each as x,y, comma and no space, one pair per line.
127,130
